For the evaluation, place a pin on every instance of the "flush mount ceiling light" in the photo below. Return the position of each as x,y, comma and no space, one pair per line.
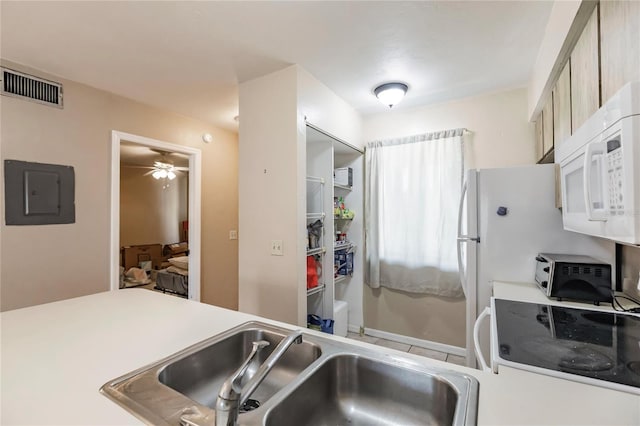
391,93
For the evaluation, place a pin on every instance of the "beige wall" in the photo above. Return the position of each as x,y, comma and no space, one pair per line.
501,136
41,264
272,170
151,211
268,197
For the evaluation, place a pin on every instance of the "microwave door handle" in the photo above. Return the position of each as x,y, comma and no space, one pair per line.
593,148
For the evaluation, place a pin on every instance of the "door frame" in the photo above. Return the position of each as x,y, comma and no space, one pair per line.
195,171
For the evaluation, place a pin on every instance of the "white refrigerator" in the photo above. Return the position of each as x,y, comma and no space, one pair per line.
507,216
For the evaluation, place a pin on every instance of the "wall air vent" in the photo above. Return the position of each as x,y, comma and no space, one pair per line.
31,88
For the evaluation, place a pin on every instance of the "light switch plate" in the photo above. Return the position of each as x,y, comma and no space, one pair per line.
276,248
233,234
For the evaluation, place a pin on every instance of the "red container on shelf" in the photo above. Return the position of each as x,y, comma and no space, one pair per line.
312,272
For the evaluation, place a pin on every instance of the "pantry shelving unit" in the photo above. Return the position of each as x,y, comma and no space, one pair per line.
324,154
316,232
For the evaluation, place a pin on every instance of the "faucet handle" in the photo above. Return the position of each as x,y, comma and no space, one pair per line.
260,344
232,384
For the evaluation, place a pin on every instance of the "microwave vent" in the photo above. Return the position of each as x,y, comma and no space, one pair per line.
565,270
586,270
575,269
598,272
30,88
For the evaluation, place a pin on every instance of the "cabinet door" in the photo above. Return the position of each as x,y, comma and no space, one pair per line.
547,125
539,141
585,75
619,44
562,107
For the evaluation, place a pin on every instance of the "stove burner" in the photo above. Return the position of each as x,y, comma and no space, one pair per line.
586,359
566,355
634,366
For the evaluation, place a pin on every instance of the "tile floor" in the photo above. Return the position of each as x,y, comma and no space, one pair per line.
416,350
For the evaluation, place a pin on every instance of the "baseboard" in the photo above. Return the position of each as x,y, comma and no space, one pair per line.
427,344
353,328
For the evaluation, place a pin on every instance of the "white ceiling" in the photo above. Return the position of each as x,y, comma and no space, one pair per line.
190,56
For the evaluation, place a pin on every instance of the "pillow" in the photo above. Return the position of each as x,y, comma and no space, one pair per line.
181,262
179,271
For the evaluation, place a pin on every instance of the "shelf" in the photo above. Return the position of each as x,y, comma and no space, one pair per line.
315,290
345,187
340,247
315,251
340,278
315,179
315,215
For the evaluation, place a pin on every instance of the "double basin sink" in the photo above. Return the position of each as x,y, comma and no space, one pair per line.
320,381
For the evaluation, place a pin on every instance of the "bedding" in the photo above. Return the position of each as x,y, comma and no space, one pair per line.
181,262
175,283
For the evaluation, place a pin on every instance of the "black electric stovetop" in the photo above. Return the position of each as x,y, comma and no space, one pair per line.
595,344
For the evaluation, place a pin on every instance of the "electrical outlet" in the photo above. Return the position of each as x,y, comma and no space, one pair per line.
276,248
233,234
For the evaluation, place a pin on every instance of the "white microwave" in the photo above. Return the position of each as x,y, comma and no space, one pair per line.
600,171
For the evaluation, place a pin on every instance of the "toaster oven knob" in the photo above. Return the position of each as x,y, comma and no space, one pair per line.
544,284
546,269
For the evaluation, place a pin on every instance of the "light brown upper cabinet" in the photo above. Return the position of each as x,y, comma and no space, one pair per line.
562,106
619,44
547,126
539,136
585,74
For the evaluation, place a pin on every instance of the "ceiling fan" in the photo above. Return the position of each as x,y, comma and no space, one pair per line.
163,168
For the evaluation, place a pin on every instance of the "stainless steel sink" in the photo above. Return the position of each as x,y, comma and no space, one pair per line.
354,390
200,375
320,381
189,381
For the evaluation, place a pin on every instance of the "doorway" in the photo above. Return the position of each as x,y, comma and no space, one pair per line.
194,155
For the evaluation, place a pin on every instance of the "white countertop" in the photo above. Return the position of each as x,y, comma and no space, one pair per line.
55,357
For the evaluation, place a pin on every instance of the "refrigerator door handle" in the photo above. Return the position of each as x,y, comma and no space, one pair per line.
466,239
463,279
460,240
463,239
461,208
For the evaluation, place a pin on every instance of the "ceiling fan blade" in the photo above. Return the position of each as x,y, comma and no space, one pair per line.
181,169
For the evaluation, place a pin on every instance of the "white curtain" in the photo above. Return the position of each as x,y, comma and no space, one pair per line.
412,191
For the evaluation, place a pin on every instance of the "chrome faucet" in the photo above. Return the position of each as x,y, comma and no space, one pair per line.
233,394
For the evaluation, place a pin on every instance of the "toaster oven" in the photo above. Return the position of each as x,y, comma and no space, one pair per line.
571,277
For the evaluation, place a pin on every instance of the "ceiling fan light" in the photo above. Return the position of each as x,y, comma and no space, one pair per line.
391,94
156,174
171,175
